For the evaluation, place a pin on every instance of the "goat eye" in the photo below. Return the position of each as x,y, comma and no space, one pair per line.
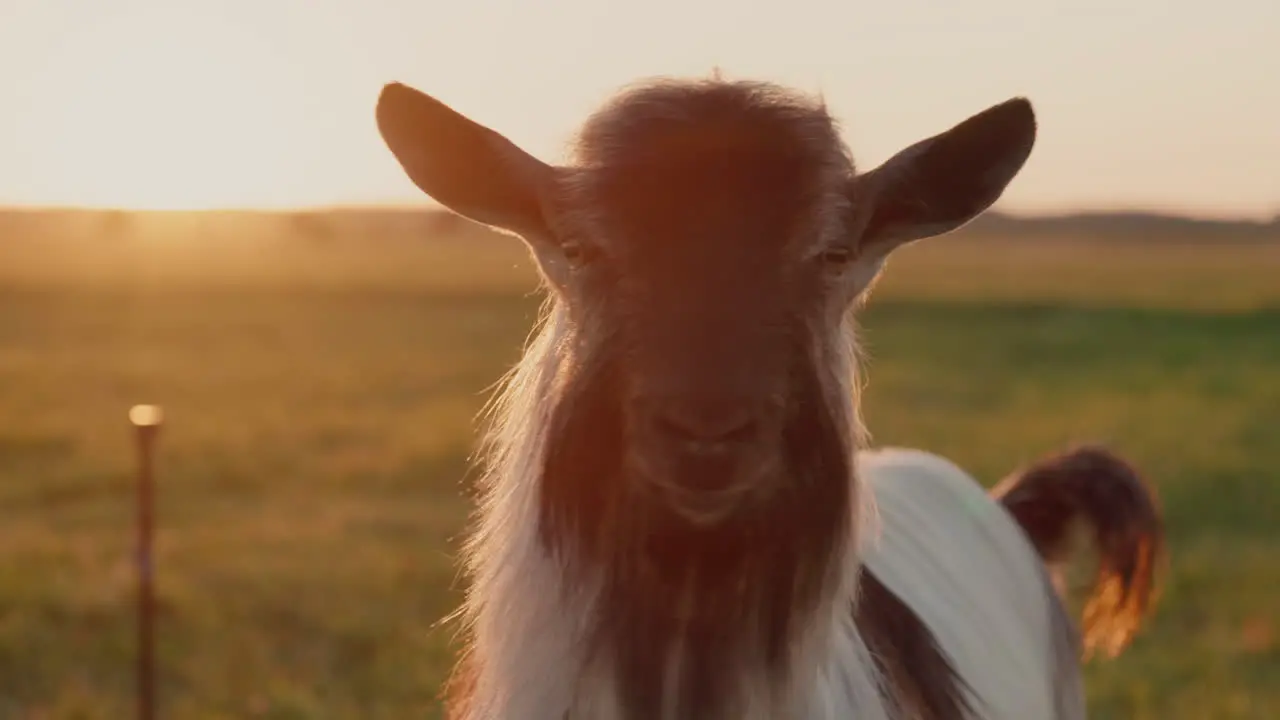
837,257
578,254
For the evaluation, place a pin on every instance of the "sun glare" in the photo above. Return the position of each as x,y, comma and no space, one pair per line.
157,109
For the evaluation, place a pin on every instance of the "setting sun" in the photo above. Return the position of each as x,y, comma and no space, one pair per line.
165,114
182,105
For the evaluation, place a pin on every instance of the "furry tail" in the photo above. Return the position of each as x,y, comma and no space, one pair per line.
1049,497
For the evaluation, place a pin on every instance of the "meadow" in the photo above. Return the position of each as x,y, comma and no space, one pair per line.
322,380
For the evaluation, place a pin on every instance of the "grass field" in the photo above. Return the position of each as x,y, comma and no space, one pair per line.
321,407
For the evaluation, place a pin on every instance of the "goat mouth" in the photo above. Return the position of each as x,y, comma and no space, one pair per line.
702,507
701,491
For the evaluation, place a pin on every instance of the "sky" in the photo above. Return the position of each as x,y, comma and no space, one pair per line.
1169,105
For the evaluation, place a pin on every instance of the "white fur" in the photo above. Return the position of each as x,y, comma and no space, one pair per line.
939,542
964,566
936,540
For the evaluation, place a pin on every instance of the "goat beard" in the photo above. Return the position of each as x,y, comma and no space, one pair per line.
722,595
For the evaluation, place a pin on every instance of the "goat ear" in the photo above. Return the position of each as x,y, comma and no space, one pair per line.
941,183
463,165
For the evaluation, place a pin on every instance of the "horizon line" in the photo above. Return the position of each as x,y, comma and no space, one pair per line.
428,206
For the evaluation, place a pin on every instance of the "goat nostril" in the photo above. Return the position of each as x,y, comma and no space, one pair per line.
706,433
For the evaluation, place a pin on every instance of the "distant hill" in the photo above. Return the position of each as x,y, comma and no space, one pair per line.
376,222
1139,226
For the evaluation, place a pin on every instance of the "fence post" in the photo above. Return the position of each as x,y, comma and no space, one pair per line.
146,421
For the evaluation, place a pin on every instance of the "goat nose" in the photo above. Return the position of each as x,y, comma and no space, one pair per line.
706,427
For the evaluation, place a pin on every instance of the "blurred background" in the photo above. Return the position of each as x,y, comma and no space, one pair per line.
197,211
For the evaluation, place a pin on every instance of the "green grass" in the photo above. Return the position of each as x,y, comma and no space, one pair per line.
313,462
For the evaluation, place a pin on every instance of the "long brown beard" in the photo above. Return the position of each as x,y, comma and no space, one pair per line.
725,598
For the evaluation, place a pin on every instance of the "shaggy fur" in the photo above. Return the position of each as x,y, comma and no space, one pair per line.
669,588
680,615
618,575
1093,486
917,673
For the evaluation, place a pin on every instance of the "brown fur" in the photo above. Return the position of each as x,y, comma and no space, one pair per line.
729,598
695,409
746,584
732,593
919,673
1094,486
